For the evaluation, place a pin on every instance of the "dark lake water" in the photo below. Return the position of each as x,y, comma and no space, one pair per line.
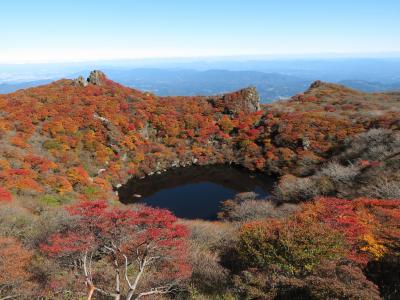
194,192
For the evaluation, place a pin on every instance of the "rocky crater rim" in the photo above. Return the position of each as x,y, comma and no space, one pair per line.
245,100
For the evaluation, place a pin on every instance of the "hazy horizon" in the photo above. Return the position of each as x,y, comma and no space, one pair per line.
274,78
241,58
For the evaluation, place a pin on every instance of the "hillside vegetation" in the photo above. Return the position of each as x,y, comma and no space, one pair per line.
330,230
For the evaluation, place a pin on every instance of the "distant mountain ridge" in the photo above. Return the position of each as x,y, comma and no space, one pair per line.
6,88
176,82
189,82
183,82
370,86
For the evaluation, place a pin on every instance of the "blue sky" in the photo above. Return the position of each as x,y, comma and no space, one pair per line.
77,30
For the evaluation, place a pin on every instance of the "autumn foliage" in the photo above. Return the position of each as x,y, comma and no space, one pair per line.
297,245
326,234
5,195
335,150
146,240
80,133
368,229
14,264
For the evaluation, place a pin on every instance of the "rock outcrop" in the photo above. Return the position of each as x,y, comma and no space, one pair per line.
316,84
80,81
246,100
96,77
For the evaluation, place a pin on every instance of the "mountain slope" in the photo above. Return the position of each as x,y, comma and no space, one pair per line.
80,138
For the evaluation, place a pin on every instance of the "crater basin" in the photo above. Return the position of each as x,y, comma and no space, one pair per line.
195,192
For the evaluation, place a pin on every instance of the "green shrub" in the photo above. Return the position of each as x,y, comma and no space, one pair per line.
296,246
90,192
52,144
55,200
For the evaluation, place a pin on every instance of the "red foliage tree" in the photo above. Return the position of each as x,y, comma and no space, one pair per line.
5,195
147,240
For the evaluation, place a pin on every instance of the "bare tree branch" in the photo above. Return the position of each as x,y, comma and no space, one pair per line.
158,290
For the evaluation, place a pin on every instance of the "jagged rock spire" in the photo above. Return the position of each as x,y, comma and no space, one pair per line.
96,77
80,81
